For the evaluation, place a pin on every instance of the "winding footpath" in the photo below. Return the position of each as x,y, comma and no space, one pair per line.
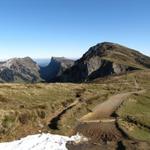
107,108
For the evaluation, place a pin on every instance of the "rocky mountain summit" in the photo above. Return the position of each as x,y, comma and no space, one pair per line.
19,70
55,68
105,59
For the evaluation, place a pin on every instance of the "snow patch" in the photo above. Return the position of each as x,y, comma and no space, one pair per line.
41,142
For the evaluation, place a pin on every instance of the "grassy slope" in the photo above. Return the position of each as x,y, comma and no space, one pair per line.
27,108
129,57
135,112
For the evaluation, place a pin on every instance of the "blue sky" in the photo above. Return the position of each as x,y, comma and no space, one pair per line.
45,28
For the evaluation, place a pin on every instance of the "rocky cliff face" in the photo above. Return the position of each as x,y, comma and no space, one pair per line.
19,70
55,68
105,59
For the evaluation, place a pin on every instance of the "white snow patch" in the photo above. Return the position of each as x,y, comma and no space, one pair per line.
41,142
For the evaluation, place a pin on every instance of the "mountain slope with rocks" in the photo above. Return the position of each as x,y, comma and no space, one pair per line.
55,68
105,59
19,70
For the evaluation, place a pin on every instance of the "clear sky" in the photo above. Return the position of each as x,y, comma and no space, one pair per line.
45,28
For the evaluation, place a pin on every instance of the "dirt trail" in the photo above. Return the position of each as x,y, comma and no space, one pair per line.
100,124
101,127
54,120
107,108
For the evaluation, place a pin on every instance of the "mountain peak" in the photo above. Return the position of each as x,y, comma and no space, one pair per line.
101,49
104,59
19,70
56,66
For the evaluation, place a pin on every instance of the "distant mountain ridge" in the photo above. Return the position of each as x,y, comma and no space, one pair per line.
101,60
42,61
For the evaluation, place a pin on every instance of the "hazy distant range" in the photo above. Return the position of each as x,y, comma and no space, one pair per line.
45,61
42,61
